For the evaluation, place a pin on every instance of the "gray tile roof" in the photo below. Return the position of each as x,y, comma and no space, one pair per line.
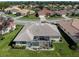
37,29
23,35
71,28
43,29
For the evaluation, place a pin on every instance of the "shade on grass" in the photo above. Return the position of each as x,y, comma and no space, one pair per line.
8,37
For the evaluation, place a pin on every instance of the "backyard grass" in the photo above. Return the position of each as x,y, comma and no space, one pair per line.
61,49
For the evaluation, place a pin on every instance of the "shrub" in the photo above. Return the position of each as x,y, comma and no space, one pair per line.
18,14
55,15
60,40
19,47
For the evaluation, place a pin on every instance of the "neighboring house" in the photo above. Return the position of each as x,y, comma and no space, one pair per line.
37,36
13,9
43,13
24,12
63,6
6,25
75,6
76,11
70,28
16,9
61,12
1,13
70,12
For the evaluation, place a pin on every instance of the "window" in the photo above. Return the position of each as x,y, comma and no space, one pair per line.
41,38
53,40
23,42
35,43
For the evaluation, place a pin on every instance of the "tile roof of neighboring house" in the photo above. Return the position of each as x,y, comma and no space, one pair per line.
24,11
10,22
77,11
37,29
75,23
8,9
61,12
45,11
17,9
71,27
14,9
67,25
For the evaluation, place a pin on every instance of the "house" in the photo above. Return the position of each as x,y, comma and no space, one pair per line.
70,29
75,6
43,13
24,12
12,9
37,36
1,13
46,12
76,11
6,25
61,12
18,11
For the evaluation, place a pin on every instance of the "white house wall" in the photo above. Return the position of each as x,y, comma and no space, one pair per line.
55,39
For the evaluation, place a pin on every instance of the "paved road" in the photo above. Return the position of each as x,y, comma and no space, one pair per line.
23,22
65,17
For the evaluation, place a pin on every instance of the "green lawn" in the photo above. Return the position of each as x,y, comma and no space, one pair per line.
56,17
30,17
61,49
33,18
13,15
74,17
